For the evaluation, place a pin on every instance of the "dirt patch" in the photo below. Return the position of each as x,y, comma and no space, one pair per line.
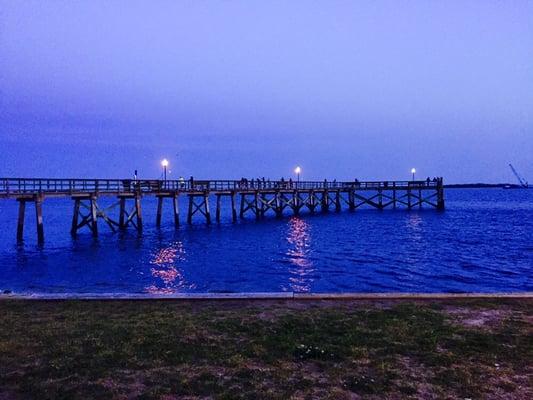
478,318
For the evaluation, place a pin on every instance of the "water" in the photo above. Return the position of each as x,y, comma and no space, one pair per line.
483,242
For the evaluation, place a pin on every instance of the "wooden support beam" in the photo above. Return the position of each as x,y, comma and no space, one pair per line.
243,199
311,201
233,210
201,207
337,200
94,216
380,199
296,202
351,200
440,195
279,206
190,212
206,204
39,217
256,205
20,222
75,217
159,211
218,195
138,212
175,208
325,201
122,213
394,195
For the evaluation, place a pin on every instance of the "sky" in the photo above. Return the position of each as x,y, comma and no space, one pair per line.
231,89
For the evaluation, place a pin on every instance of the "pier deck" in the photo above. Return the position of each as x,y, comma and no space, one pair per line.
258,197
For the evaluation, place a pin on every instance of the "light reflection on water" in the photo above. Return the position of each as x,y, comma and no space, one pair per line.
169,277
301,270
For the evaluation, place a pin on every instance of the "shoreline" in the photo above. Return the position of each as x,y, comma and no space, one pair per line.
268,295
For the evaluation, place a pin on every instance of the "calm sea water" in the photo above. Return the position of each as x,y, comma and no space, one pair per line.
483,242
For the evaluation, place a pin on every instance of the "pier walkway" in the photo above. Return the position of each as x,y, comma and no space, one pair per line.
257,197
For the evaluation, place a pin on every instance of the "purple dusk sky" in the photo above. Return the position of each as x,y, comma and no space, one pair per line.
225,89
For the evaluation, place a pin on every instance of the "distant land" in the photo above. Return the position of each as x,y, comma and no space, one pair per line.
483,185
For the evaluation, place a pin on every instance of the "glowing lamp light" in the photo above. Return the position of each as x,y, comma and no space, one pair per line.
413,170
297,170
164,163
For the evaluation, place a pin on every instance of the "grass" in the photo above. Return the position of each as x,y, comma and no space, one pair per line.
265,349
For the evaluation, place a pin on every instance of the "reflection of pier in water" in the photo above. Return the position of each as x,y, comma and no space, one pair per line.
257,197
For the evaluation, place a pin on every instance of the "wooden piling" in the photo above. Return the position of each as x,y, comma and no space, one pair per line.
233,210
75,217
159,211
218,195
138,211
94,216
296,202
256,205
337,200
206,205
175,208
325,201
279,206
20,222
122,212
189,213
39,216
440,194
241,214
311,201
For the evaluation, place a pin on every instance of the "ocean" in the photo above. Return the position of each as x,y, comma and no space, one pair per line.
482,242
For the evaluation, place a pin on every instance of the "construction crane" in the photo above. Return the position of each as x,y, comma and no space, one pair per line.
522,182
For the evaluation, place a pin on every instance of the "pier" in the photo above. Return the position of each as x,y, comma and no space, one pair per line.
255,197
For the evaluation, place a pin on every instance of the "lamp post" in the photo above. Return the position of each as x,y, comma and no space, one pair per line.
413,171
297,171
164,163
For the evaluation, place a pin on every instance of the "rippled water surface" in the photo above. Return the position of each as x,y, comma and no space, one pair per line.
483,242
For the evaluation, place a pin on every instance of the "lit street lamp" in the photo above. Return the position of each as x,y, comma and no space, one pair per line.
413,171
164,163
297,171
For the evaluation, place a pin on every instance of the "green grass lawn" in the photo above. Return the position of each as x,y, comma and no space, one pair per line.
266,349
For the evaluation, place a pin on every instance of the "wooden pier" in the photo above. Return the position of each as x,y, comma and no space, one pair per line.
256,197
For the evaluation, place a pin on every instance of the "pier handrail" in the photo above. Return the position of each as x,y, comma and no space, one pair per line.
69,186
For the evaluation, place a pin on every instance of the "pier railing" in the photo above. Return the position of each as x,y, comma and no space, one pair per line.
22,186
